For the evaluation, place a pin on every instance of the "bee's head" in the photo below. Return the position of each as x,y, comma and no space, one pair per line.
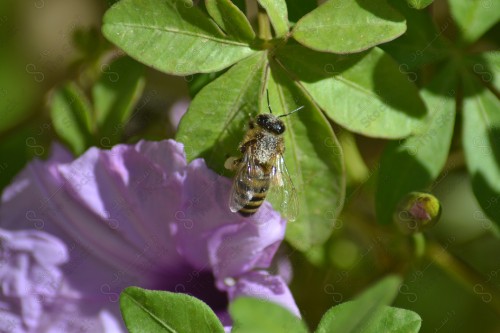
271,123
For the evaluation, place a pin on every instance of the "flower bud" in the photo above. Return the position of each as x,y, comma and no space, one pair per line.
417,212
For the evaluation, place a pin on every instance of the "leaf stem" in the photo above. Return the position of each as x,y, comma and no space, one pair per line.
463,273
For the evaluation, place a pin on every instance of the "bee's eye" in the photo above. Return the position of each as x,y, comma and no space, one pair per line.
279,128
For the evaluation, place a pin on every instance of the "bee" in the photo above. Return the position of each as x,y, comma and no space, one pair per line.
262,168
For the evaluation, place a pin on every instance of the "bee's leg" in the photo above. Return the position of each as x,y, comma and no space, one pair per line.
243,147
232,163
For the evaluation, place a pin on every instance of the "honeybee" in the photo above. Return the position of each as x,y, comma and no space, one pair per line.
262,168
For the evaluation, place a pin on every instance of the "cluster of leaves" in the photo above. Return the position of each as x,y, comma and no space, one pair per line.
82,124
463,82
329,62
159,311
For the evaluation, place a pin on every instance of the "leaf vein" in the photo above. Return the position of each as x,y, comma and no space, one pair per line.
182,32
161,322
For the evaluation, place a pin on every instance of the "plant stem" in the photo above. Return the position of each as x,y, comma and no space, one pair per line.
463,273
419,244
264,25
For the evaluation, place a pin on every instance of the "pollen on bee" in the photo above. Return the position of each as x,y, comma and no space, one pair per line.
230,163
266,148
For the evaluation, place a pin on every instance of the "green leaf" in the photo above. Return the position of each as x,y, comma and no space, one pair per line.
395,320
251,315
481,141
278,15
215,121
171,36
230,19
422,155
419,4
474,17
314,159
349,26
114,95
422,43
390,320
162,311
358,315
366,93
492,76
70,114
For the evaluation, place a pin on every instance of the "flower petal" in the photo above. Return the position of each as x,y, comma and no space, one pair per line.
177,111
168,154
30,282
238,248
35,296
79,203
115,205
261,284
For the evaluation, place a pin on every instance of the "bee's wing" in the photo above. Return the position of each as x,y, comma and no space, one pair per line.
282,190
243,174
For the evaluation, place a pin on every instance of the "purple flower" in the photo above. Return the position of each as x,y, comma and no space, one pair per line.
135,215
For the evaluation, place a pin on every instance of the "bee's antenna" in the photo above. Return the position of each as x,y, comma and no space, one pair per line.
297,109
268,103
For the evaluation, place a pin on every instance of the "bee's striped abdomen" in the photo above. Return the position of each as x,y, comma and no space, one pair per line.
255,189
